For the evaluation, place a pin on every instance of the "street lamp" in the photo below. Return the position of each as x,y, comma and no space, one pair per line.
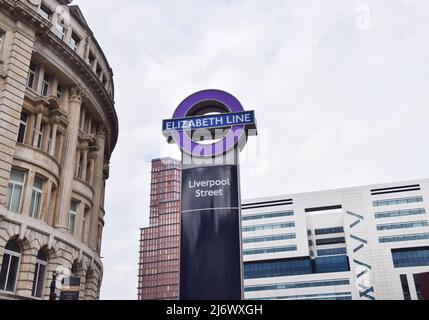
52,294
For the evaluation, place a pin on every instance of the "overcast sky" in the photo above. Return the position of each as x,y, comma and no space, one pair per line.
340,90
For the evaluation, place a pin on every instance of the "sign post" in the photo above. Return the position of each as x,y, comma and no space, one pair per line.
211,127
71,288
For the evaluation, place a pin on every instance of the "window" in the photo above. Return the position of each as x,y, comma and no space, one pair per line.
413,257
407,237
270,238
10,265
270,250
320,232
15,188
321,242
31,75
298,285
39,275
36,198
74,42
269,227
60,30
405,287
403,225
45,12
400,213
277,268
98,71
332,264
331,252
268,215
22,127
317,296
45,84
392,202
59,91
91,59
2,34
72,217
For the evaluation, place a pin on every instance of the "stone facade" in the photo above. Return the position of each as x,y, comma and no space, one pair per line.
58,128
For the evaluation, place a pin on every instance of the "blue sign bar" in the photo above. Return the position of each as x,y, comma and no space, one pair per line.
246,118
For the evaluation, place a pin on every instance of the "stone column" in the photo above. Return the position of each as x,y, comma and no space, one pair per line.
82,123
28,190
98,188
60,148
51,207
79,220
38,126
29,135
92,158
39,80
84,147
45,138
76,97
46,202
54,122
76,174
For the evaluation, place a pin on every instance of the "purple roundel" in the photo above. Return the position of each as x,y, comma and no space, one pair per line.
228,142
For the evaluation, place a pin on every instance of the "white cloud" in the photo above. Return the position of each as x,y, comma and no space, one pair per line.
341,106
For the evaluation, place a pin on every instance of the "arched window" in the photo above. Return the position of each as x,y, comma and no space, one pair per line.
39,274
10,265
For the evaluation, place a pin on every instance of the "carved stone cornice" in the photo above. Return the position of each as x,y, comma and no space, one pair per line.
19,10
90,79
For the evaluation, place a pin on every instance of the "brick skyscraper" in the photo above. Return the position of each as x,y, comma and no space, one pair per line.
159,243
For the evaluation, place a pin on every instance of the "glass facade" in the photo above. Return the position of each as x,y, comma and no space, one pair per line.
408,237
319,232
320,296
405,287
269,227
298,285
332,264
331,252
392,202
269,215
403,225
321,242
270,250
412,257
295,266
270,238
277,268
400,213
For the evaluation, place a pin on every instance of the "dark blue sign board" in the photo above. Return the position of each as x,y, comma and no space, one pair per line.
246,118
71,288
210,260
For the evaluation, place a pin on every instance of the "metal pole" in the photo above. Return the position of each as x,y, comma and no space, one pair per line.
52,294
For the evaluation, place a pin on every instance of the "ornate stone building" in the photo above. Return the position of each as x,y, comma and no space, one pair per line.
58,128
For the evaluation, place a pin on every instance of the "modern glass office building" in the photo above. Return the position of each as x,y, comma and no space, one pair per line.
160,243
362,243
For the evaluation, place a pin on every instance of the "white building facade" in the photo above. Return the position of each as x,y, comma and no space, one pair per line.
361,243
